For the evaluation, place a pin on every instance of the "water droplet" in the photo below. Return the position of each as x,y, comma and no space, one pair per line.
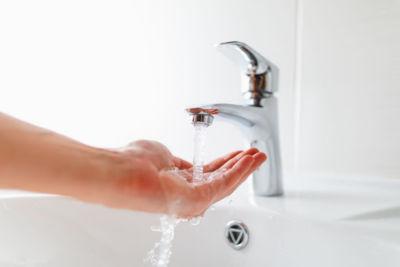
195,221
155,228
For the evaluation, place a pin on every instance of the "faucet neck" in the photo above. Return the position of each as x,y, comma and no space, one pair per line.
254,88
259,126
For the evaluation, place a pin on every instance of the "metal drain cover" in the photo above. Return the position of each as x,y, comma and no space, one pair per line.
237,234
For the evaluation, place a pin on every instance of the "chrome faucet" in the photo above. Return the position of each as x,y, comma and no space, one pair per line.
258,121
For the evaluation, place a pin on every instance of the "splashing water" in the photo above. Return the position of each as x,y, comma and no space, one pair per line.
160,254
195,221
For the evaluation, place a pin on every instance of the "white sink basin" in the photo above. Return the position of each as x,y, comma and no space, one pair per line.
335,222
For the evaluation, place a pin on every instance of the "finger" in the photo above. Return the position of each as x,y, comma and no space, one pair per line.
181,163
259,158
235,159
222,185
217,163
230,177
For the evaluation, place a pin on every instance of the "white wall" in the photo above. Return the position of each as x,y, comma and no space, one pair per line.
349,120
109,72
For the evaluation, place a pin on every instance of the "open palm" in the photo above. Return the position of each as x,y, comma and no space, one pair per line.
163,183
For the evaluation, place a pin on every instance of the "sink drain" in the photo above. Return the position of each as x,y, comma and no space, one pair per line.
237,234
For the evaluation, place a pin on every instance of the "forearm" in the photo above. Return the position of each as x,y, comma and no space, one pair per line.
35,159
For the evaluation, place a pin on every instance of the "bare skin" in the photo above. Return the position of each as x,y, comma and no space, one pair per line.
142,176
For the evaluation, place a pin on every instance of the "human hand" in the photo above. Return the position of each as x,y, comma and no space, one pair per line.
162,183
142,176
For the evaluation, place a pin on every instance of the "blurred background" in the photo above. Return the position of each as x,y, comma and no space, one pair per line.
110,72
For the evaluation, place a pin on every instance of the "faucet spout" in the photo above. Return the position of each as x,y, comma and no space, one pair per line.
259,128
202,115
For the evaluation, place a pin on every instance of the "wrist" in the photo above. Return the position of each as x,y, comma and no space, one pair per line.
101,174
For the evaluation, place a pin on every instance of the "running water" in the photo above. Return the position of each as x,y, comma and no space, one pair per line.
160,254
199,142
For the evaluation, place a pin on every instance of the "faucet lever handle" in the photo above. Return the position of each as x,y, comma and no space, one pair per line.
260,73
249,60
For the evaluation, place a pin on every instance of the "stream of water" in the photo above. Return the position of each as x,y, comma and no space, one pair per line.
160,254
199,143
